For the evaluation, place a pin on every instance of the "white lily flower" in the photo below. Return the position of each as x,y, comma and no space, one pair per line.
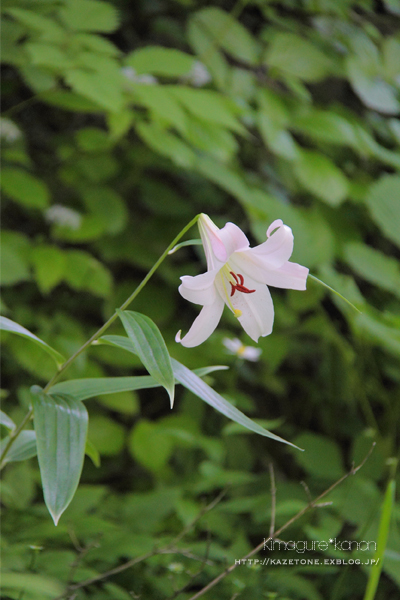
235,346
237,276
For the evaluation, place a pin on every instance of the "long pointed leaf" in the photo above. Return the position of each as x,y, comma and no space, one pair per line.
61,429
383,534
196,385
8,325
82,389
150,347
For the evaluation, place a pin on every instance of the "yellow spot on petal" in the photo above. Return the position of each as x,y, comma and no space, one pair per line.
237,313
241,350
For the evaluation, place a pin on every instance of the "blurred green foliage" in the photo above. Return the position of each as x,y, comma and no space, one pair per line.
122,121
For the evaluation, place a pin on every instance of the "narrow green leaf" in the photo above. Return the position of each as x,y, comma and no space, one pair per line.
383,534
61,427
23,448
193,383
187,243
6,421
37,585
92,452
82,389
8,325
149,345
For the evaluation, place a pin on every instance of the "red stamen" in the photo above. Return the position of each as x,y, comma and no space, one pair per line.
239,284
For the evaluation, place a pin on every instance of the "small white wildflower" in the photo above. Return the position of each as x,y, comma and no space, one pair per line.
63,216
199,74
236,347
130,73
9,130
176,567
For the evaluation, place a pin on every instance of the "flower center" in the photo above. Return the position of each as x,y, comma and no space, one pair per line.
236,282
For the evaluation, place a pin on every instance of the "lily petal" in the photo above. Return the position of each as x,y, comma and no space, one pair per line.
214,248
203,326
277,249
290,276
257,310
233,239
254,309
199,289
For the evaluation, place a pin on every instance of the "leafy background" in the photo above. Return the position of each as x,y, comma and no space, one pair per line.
122,120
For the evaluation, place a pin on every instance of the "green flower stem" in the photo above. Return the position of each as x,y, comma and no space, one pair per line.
334,291
99,333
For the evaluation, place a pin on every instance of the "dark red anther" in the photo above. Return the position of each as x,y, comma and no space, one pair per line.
239,284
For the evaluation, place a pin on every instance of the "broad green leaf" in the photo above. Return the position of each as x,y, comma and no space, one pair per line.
203,44
321,177
374,266
107,435
225,31
37,586
109,206
84,272
6,421
150,445
14,258
161,103
321,457
48,55
166,144
371,88
8,325
208,105
149,345
61,427
49,264
32,20
90,15
105,89
23,448
72,101
214,140
325,126
157,60
383,201
193,383
24,188
295,56
82,389
383,534
277,139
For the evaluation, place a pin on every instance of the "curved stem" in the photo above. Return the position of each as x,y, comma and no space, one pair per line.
95,336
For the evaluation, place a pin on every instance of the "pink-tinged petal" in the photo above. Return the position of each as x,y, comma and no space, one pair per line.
203,326
233,239
289,276
277,249
199,289
257,310
214,248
